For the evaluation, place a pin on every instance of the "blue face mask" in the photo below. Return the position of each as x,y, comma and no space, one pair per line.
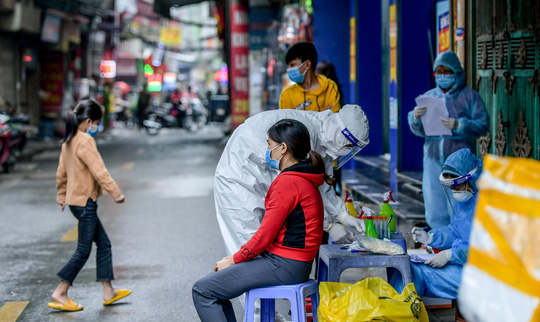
294,74
93,132
445,81
274,164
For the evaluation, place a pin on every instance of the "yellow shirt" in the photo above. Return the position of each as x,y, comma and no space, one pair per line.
323,98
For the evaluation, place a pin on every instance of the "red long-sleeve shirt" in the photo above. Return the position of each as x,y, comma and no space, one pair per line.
292,226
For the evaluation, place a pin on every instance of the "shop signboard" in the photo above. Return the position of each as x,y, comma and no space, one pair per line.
443,26
239,72
260,19
52,83
170,36
50,32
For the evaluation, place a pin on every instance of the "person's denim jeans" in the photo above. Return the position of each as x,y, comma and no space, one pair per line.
90,229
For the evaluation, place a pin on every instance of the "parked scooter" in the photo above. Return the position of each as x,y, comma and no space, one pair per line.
6,158
171,116
200,112
19,130
13,138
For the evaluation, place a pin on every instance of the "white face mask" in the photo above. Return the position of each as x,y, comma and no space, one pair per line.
462,196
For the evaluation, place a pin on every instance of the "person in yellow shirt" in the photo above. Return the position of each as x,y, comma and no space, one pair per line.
311,92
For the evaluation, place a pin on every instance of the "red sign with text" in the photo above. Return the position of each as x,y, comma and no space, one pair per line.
52,83
239,71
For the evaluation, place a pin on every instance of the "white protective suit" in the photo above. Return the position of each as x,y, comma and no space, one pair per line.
243,178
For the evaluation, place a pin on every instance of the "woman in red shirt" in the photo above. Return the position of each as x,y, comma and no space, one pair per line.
283,248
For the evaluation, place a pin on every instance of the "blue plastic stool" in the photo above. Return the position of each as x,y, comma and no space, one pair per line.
296,294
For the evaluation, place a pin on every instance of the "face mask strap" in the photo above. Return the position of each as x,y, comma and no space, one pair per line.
274,149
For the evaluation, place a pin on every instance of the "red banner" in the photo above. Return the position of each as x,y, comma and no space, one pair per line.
239,71
52,82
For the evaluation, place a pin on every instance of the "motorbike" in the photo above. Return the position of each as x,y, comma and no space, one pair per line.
185,115
200,112
13,139
6,159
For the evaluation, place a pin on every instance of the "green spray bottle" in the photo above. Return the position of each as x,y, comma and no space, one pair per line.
370,229
388,212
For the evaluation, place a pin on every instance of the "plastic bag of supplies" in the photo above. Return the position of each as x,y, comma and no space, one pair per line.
501,280
370,299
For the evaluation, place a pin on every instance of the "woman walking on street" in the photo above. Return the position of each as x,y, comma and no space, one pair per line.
81,175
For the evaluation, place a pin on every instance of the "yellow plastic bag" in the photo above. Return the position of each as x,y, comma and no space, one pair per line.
371,299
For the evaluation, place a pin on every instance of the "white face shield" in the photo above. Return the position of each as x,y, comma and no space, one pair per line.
350,148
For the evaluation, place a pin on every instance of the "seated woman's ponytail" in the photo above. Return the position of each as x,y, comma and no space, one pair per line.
87,109
317,162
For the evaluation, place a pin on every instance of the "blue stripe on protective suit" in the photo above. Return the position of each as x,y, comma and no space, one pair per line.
463,104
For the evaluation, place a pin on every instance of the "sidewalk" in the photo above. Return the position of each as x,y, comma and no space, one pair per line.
36,146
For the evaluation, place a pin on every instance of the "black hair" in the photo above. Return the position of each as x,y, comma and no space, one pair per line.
329,70
296,135
303,51
87,109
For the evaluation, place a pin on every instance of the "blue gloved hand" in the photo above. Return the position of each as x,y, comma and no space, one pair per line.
440,259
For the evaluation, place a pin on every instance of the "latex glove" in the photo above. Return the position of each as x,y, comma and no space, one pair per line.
419,111
450,123
421,236
440,259
339,234
352,223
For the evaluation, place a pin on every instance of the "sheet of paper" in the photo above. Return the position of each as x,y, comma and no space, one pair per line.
431,120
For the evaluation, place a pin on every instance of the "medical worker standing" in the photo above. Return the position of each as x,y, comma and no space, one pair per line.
468,120
243,178
440,276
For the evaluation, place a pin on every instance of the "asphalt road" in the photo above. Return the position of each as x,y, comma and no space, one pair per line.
164,237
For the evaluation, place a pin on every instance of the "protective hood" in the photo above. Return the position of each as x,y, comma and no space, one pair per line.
451,60
461,163
243,177
349,126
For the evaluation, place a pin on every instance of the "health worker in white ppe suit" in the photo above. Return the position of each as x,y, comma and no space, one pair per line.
243,177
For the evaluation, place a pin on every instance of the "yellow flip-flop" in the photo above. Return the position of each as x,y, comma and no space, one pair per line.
121,295
69,306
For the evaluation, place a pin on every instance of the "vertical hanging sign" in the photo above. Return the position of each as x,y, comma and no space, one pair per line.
443,26
352,48
393,93
239,72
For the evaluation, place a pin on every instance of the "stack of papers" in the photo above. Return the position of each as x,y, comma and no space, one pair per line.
431,120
